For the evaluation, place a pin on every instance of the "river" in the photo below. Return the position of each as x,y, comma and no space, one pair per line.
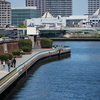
73,78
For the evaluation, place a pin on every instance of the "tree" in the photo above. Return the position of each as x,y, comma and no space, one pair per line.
1,35
24,44
21,25
46,43
6,56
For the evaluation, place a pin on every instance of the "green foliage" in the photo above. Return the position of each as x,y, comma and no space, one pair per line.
26,49
1,35
6,56
16,52
25,43
46,43
10,55
21,25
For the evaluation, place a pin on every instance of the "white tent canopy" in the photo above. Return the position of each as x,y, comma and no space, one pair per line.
47,15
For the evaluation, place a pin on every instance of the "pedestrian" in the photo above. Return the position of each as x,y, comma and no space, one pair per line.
14,62
9,65
4,64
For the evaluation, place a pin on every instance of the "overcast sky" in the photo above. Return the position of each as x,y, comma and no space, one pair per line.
80,7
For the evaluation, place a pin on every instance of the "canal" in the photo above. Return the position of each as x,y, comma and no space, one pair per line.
76,77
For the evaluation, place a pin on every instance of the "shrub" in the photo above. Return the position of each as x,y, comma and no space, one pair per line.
6,56
21,25
1,35
16,52
25,43
26,49
46,43
10,56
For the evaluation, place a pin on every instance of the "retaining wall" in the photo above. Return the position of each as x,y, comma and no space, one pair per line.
8,46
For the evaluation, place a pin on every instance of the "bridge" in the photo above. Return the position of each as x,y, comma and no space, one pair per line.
87,30
60,30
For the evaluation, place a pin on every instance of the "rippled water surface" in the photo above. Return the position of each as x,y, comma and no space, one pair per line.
73,78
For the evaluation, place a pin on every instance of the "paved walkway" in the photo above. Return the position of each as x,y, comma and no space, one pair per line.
4,71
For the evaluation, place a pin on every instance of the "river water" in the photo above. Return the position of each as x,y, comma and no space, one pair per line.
73,78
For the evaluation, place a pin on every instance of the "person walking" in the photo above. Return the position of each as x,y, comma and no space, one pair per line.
9,65
4,64
14,62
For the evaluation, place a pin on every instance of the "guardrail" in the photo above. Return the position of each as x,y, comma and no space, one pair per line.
34,58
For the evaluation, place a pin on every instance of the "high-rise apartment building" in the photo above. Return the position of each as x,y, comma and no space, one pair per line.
5,13
40,4
55,7
36,3
59,7
93,5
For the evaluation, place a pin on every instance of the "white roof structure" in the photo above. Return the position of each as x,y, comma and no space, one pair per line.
34,7
97,12
77,17
47,15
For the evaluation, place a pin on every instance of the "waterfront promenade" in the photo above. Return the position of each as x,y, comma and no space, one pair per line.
4,71
9,80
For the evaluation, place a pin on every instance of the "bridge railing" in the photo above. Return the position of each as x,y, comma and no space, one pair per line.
20,67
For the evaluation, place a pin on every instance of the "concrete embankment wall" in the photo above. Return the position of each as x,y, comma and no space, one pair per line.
10,81
75,39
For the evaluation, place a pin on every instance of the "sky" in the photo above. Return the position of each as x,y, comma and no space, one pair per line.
80,7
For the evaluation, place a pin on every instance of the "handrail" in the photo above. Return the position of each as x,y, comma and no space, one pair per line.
34,56
13,72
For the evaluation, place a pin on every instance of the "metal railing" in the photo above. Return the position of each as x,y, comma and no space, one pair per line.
38,56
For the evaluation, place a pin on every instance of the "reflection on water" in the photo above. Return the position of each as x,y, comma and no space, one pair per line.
76,77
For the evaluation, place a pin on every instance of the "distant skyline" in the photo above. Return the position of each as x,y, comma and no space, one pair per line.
80,7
